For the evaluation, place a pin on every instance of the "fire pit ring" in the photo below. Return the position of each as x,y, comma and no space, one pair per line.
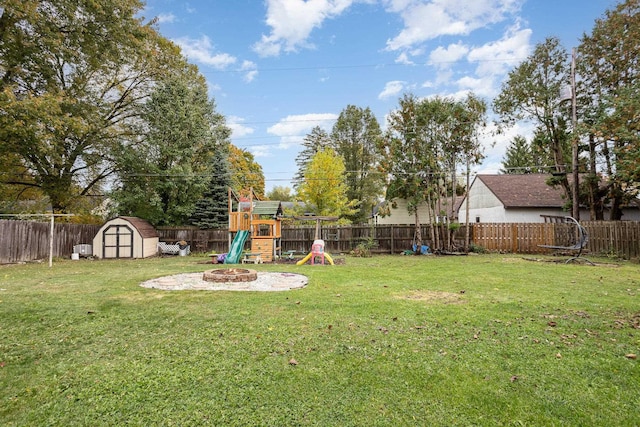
225,275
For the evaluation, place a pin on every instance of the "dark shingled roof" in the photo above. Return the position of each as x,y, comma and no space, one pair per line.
145,229
524,191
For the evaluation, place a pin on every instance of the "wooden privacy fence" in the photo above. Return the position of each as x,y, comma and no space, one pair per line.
29,240
620,238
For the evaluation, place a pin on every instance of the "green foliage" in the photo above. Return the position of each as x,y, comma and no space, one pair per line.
424,141
477,249
403,341
246,174
363,249
519,158
532,92
610,98
324,188
280,193
164,174
72,77
317,140
212,210
354,137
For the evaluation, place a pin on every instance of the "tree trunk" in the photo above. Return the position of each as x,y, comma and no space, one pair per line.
466,199
418,233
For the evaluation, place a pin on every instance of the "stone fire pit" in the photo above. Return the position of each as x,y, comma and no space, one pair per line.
225,275
222,280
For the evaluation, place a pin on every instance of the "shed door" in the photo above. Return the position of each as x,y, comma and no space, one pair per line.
117,242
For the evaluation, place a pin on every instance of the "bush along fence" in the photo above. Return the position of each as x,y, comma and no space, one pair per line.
29,240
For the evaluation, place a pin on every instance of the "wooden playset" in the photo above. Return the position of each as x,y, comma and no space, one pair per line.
255,220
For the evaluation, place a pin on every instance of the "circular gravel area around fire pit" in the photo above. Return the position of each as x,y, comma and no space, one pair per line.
264,282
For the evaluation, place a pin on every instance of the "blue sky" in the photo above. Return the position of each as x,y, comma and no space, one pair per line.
277,68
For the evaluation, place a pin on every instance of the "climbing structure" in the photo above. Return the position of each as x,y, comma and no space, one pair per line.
257,221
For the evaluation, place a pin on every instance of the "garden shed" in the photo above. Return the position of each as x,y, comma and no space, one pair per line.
125,237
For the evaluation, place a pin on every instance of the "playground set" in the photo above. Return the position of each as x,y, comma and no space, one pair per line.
260,222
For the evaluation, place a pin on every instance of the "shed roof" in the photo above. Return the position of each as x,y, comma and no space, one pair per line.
524,191
143,227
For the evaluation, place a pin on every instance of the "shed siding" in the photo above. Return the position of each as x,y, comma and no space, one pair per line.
142,247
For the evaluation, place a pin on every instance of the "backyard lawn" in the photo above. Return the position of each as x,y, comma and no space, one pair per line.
382,341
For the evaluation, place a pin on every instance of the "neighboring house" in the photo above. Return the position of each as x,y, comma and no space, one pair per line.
520,198
395,212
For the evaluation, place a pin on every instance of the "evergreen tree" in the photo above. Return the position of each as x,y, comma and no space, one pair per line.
518,158
163,175
211,211
314,142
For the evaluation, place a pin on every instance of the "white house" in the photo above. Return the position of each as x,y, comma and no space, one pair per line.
396,212
519,198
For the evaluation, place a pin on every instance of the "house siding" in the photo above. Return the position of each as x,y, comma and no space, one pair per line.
400,214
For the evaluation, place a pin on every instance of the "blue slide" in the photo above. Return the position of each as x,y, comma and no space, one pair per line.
237,246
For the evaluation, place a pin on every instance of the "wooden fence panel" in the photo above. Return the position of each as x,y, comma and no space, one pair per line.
29,240
620,238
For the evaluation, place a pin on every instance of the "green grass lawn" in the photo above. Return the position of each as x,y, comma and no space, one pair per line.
383,341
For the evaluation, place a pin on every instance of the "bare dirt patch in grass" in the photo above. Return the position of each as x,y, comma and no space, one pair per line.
433,296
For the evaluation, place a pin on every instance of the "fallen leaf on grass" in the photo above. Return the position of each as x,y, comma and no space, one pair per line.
552,324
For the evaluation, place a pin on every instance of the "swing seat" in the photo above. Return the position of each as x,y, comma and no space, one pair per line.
581,241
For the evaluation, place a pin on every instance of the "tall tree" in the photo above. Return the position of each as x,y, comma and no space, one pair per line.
173,163
354,137
532,92
469,124
280,193
609,72
246,173
72,76
424,142
324,188
211,211
519,158
317,140
409,159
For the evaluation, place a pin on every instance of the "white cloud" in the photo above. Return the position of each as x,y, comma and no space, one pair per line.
427,20
166,18
292,129
237,128
251,70
403,58
260,151
483,87
500,56
392,88
444,57
201,50
496,143
292,22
